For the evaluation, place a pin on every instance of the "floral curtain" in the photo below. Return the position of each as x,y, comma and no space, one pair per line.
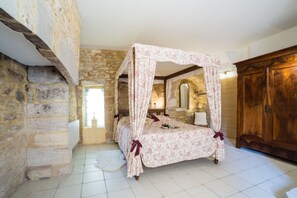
140,83
213,90
127,61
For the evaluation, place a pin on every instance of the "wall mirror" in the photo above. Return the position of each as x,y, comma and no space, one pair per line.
184,96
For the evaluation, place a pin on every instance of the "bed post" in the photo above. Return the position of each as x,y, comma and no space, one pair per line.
216,161
136,178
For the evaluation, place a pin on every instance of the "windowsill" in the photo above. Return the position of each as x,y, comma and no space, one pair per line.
181,109
98,127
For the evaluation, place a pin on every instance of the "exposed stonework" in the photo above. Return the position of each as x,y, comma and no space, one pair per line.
100,65
47,123
72,104
52,26
157,100
198,99
13,143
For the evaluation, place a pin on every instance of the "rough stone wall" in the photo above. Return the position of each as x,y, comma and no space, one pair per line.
100,65
157,96
157,100
13,142
57,23
72,104
198,101
47,121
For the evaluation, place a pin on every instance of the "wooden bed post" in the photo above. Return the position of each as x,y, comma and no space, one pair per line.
136,178
165,87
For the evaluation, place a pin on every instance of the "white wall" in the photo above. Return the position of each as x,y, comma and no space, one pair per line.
266,45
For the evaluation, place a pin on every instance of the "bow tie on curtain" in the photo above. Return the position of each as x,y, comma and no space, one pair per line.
219,134
116,116
136,144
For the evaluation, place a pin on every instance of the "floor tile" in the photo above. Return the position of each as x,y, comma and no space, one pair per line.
91,168
239,195
146,191
93,188
202,177
217,172
221,188
126,193
237,182
198,191
43,194
79,162
167,187
182,194
90,161
93,176
256,192
273,188
77,169
114,174
98,196
69,180
117,184
185,181
69,192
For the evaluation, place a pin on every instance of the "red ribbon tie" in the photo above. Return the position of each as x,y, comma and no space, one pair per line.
136,144
219,134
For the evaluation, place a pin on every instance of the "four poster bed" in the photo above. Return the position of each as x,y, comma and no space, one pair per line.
146,142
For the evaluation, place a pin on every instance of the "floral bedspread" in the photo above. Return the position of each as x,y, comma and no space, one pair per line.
166,146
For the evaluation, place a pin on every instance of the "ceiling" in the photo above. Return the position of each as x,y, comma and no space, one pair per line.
16,46
212,26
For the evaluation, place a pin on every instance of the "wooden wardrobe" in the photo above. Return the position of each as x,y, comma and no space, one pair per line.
267,103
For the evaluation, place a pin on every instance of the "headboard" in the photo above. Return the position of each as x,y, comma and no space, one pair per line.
125,112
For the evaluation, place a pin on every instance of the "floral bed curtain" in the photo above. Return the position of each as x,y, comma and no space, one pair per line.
127,61
140,83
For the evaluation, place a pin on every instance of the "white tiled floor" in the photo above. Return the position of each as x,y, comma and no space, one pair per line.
243,174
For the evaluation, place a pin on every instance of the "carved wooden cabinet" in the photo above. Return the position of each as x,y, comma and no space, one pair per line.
267,103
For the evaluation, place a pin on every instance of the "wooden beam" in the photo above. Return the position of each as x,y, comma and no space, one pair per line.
156,77
193,68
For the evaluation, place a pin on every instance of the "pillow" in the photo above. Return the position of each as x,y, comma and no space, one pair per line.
155,118
149,120
200,118
124,120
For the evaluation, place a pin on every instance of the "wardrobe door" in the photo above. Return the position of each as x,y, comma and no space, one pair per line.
283,96
252,95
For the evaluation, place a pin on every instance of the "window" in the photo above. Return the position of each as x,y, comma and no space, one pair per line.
94,105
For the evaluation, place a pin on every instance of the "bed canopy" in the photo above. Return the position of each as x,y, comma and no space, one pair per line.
141,61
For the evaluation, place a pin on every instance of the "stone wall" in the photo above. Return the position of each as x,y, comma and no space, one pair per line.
72,104
198,98
100,66
13,142
55,23
47,123
157,100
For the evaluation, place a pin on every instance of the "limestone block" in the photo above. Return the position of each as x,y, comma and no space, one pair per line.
40,172
47,93
47,74
47,125
62,169
48,156
15,75
60,109
20,96
51,139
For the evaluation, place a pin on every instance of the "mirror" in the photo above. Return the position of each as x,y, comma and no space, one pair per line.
184,96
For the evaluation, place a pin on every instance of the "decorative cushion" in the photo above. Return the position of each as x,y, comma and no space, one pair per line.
200,118
155,118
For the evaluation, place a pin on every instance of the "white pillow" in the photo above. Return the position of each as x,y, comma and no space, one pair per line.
200,118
